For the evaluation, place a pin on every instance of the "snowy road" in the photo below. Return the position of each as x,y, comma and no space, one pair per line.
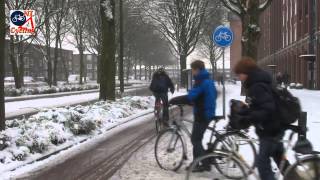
100,160
18,108
142,165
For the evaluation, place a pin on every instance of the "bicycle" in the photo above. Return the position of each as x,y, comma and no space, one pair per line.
305,168
170,146
18,18
158,112
223,36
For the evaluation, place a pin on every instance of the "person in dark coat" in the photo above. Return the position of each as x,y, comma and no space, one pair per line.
159,86
203,98
286,79
261,113
279,78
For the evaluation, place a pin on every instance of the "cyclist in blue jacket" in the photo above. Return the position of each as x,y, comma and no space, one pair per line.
203,98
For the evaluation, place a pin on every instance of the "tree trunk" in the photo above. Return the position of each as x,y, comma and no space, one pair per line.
81,66
250,35
98,67
135,68
145,72
64,63
21,62
140,70
56,54
183,66
49,80
14,66
121,44
2,70
150,72
108,68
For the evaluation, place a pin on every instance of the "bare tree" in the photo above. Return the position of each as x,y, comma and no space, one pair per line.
180,22
249,12
62,6
107,81
214,17
2,59
93,33
80,19
17,45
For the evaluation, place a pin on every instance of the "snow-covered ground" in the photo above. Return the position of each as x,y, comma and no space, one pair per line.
22,107
143,166
28,139
29,106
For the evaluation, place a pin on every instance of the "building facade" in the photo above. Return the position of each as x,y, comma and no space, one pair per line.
285,37
35,63
90,65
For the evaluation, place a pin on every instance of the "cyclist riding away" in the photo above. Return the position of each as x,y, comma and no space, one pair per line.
159,86
203,98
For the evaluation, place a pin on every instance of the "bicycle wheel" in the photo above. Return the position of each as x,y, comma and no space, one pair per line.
305,169
234,167
170,150
238,144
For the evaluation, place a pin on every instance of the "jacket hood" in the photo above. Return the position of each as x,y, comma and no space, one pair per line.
258,76
203,74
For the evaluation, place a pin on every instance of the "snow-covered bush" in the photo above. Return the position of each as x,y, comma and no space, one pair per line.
4,141
296,86
52,127
299,86
12,92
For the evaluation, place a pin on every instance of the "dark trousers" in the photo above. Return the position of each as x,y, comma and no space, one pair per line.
164,98
269,148
198,131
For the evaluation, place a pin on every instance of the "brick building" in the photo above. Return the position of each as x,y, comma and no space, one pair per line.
285,36
90,65
35,64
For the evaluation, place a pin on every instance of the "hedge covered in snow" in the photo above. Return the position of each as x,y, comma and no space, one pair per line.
49,128
13,92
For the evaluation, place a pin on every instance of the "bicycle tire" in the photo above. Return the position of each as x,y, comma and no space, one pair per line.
160,155
213,174
243,158
300,170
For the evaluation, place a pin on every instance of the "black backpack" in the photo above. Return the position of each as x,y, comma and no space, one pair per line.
288,106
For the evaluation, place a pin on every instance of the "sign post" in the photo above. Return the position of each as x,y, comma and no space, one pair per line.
223,37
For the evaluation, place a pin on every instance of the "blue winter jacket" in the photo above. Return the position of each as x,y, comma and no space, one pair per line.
203,95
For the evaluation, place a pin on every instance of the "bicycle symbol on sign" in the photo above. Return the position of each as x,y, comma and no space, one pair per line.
223,36
18,17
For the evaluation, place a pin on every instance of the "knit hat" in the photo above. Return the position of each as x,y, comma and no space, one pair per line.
245,66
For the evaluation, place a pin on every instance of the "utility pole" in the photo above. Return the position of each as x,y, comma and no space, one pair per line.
312,39
121,47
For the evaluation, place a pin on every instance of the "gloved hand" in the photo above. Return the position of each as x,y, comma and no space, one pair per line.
179,100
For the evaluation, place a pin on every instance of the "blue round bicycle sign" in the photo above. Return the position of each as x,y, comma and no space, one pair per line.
222,36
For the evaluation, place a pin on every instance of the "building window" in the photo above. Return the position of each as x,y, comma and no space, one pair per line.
89,66
89,58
